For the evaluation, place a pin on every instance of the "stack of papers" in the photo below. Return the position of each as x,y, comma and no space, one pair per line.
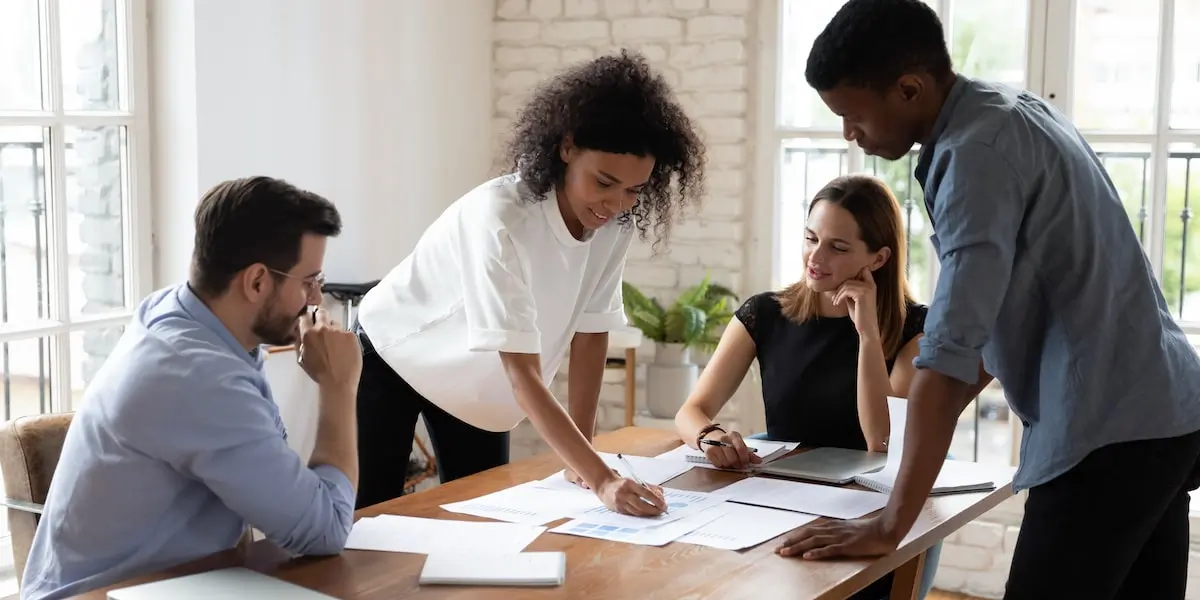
767,451
955,477
651,470
395,533
525,569
824,500
741,515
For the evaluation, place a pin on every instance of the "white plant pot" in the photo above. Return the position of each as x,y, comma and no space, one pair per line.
669,380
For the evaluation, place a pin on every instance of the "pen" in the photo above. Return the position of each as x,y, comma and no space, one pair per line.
725,445
314,315
633,474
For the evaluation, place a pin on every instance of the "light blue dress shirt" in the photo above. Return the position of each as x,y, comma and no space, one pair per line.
177,447
1043,275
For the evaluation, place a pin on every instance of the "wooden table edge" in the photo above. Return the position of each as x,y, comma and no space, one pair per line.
907,560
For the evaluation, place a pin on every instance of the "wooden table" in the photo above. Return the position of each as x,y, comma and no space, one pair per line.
603,569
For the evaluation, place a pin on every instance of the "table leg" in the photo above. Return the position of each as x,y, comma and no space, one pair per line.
906,581
630,384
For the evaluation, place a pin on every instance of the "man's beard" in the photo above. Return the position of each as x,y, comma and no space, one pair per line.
276,329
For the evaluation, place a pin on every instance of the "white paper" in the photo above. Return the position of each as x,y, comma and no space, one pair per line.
395,533
523,569
953,474
744,526
528,503
651,470
646,536
680,504
824,500
766,449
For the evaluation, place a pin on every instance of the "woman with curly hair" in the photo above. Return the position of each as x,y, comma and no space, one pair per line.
469,329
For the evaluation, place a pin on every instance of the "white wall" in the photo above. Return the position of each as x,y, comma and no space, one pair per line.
348,98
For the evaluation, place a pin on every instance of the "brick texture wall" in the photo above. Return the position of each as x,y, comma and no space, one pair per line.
703,49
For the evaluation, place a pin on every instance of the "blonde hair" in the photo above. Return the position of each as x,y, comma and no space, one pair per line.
877,213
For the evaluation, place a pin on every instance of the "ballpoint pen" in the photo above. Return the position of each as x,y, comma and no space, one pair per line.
635,477
725,444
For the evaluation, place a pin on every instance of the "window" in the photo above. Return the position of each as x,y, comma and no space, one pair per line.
1123,70
74,254
988,39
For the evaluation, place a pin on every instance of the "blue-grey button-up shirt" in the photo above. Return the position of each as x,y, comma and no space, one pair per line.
1043,275
177,447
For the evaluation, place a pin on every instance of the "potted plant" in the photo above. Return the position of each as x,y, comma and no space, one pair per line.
690,323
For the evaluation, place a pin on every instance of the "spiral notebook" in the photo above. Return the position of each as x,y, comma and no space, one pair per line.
767,451
956,476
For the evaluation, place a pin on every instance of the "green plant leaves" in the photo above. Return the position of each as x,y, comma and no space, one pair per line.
691,320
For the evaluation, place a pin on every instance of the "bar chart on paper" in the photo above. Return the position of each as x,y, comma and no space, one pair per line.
680,504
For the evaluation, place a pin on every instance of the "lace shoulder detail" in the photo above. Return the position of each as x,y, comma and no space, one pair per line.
747,313
914,322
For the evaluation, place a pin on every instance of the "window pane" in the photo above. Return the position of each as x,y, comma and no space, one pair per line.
25,366
983,433
988,39
20,56
899,177
96,159
1129,166
24,227
90,54
1185,88
89,349
1116,55
807,166
1181,248
800,106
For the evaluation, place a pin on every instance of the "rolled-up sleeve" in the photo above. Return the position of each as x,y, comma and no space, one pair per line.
498,301
977,210
232,445
605,310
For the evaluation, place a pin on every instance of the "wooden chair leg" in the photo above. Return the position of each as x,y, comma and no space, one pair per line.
630,385
906,581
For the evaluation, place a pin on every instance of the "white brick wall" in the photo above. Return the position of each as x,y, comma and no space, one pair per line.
702,48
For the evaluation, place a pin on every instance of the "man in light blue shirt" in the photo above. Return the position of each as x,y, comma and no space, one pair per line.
1043,277
178,447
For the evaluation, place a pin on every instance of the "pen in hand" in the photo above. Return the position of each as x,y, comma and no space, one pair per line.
725,445
634,475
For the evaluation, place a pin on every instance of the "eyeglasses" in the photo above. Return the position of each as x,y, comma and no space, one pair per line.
311,283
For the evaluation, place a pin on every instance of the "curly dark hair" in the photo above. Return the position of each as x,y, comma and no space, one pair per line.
871,43
614,104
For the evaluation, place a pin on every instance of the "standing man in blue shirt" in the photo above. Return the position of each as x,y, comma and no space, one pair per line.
178,447
1043,276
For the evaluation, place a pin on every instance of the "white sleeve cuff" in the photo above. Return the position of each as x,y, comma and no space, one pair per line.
519,342
601,322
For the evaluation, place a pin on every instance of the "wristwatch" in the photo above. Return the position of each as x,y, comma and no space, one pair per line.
707,430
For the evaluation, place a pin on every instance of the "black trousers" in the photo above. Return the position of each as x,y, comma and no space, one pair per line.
1114,526
387,422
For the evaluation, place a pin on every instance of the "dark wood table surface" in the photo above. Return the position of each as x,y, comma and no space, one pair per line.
599,568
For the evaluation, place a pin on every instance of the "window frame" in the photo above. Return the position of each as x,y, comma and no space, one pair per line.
764,268
137,241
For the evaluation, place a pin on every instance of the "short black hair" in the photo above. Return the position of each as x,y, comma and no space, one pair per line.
871,43
615,104
254,220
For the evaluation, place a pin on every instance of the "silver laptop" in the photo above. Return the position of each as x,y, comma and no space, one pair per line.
827,465
221,584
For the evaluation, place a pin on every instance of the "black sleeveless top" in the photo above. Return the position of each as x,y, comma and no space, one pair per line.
810,372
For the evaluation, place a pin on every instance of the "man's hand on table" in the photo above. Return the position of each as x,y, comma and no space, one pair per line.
837,539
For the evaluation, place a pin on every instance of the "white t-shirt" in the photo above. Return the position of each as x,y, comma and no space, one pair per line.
494,273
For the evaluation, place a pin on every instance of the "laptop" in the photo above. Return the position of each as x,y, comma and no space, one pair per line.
826,465
222,584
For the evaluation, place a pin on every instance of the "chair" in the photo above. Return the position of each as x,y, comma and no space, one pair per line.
420,466
29,451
